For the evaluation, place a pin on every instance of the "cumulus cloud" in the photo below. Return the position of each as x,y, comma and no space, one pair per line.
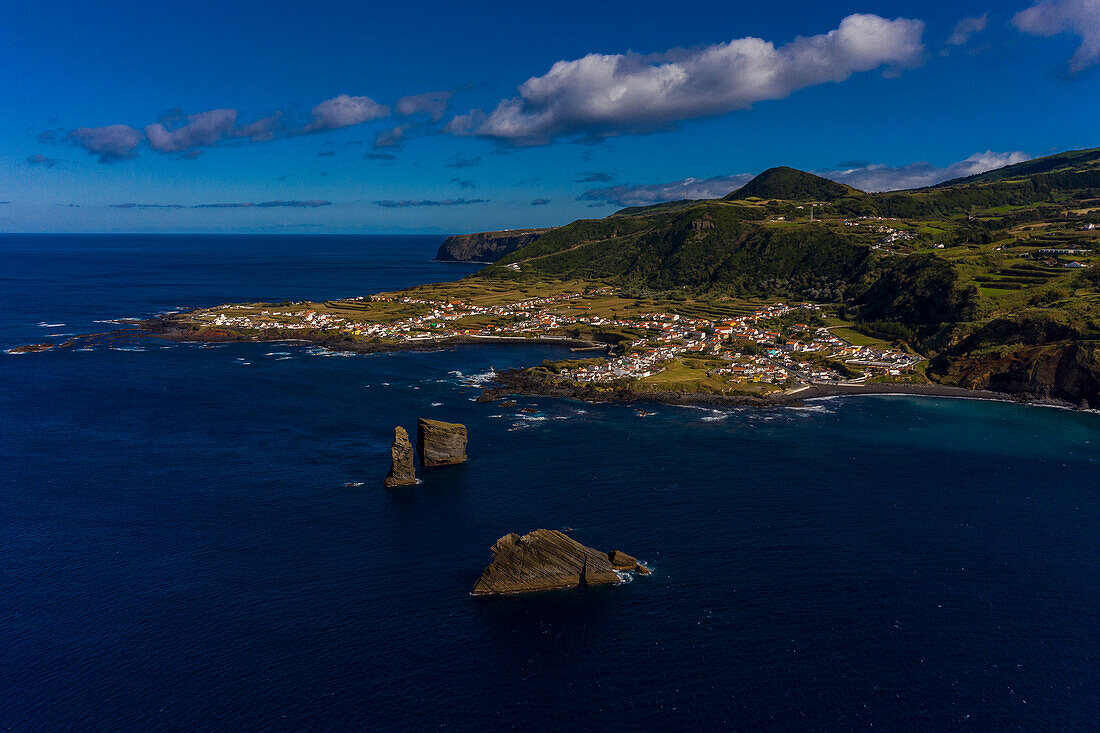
540,202
207,128
344,111
433,104
608,94
967,27
918,175
463,183
42,160
644,195
111,143
391,138
595,177
1081,17
429,202
380,156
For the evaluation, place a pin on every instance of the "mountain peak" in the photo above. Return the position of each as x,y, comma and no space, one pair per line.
791,184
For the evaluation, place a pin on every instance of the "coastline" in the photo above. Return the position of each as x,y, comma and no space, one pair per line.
524,382
168,329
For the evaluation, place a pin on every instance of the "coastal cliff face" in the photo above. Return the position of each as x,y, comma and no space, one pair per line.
440,443
402,470
485,246
1028,356
548,560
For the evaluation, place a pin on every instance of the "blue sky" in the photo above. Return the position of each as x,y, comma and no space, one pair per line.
447,117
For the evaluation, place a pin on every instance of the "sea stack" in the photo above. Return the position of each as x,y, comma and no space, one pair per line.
546,560
440,443
402,469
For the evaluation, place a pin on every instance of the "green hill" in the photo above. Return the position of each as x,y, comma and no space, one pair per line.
1074,160
938,266
790,184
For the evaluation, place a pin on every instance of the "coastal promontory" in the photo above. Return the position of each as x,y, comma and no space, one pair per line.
485,246
546,559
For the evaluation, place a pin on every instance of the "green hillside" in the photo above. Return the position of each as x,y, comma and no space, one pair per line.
938,266
1074,160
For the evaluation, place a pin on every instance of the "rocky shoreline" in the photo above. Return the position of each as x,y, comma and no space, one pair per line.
525,382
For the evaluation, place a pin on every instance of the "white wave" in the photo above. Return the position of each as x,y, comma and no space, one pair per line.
353,484
322,351
43,324
284,358
127,348
824,409
277,353
476,380
715,416
437,404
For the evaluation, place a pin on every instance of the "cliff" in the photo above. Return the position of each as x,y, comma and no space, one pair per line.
1025,354
548,560
485,246
440,443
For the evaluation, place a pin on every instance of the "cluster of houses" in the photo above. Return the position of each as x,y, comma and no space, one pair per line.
752,346
674,336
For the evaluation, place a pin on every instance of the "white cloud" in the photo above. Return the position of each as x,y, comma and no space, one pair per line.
656,193
433,104
966,28
606,94
208,128
344,111
1082,17
918,175
391,138
111,143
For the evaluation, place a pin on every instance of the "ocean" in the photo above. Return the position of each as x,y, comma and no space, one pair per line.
196,538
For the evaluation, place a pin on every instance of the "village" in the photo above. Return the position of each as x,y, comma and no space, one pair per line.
753,348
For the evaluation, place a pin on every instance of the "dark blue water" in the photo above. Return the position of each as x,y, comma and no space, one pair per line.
178,549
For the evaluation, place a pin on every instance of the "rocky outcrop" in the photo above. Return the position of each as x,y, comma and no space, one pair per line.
546,560
486,246
440,443
402,469
1027,355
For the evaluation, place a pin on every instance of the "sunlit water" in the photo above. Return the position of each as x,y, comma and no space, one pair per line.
180,548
